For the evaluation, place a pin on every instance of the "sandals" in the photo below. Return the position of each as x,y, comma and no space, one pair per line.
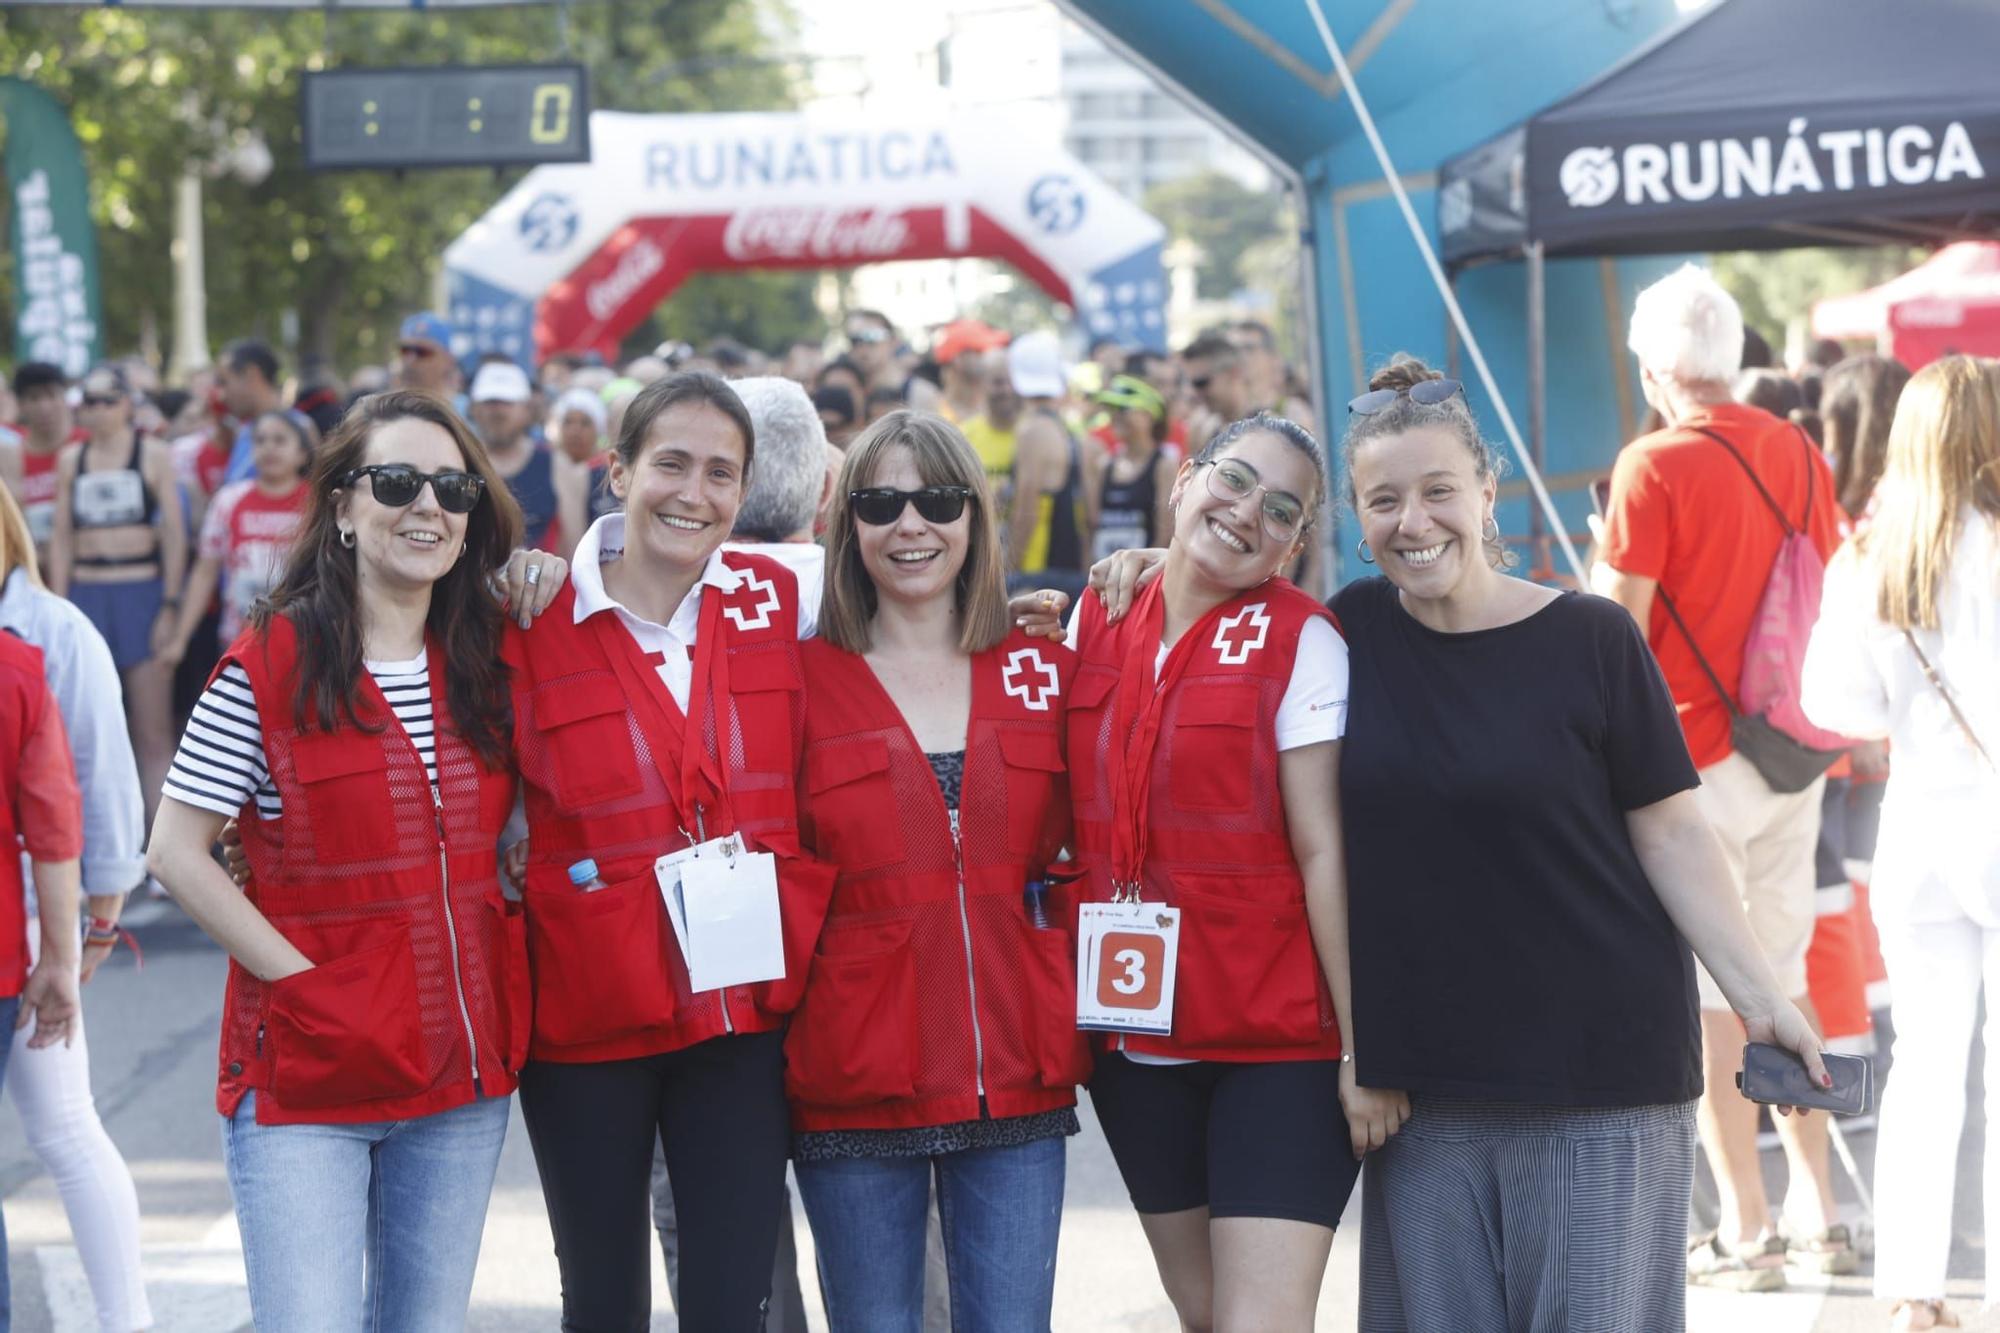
1756,1266
1914,1316
1831,1252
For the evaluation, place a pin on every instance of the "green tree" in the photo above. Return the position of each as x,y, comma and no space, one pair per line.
1775,288
1223,217
350,252
762,310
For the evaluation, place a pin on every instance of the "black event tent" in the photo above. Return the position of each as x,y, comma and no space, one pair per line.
1755,124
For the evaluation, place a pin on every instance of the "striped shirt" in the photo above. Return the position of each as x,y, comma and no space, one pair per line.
221,762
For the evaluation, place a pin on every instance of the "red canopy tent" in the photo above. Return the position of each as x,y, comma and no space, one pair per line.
1949,303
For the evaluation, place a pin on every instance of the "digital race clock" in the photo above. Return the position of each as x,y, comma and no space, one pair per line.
446,116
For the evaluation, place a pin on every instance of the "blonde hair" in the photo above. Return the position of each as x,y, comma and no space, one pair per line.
1943,455
943,458
17,544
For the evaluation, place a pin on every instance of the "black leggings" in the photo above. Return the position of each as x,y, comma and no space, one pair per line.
718,1109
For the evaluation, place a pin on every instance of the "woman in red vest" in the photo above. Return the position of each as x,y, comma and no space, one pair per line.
938,1033
375,1011
1204,739
657,711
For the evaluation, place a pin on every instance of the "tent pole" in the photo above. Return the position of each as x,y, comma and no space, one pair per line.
1538,383
1423,243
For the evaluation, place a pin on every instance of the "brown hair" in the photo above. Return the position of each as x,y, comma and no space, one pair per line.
1943,456
1857,401
319,594
943,458
688,386
1454,414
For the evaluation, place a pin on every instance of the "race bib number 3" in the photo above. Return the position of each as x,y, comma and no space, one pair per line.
1125,960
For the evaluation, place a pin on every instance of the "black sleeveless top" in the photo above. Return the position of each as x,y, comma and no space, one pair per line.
1125,512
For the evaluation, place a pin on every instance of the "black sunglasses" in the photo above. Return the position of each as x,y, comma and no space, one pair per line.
94,400
1426,393
881,505
868,335
1198,382
417,350
399,484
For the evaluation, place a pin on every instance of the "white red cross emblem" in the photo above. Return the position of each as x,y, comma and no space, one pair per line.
758,616
1242,634
1019,678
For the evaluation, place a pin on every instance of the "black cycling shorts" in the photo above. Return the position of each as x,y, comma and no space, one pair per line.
1244,1140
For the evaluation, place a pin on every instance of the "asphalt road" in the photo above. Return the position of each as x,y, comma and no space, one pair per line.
152,1048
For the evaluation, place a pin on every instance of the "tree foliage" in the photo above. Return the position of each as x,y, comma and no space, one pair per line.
1223,217
1775,288
350,252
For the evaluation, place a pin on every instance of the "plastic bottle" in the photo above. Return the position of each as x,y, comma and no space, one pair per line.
1034,900
584,875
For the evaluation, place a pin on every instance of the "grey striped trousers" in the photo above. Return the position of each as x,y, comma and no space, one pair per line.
1492,1217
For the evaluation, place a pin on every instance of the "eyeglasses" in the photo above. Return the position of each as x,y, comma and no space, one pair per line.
879,506
418,350
1284,513
95,400
399,484
1425,393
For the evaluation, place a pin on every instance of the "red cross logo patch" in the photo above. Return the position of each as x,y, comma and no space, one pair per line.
1242,634
1030,679
758,616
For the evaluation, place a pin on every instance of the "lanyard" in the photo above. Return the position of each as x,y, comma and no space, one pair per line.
1136,715
702,787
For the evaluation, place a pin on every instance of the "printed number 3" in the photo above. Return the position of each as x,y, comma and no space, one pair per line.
1134,979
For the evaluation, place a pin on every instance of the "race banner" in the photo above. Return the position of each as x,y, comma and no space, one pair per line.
56,298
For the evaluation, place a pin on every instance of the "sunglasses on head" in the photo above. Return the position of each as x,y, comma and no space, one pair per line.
1425,393
399,484
418,350
881,505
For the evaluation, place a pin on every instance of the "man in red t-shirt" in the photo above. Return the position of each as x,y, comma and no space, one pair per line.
1686,522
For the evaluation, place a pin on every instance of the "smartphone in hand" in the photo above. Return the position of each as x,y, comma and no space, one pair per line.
1774,1076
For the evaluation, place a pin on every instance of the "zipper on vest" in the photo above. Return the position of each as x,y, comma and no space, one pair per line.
971,985
451,932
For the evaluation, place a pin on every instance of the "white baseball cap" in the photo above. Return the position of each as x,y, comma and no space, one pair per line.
500,381
1034,363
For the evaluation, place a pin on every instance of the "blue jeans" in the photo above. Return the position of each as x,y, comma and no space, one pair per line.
1001,1209
10,1009
372,1226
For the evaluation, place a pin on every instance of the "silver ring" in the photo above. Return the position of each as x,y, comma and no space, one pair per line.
534,575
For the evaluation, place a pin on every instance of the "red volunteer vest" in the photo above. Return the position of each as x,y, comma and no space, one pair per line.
931,986
598,740
418,1000
1249,985
24,692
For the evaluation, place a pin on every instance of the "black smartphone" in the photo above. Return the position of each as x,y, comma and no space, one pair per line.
1600,495
1774,1076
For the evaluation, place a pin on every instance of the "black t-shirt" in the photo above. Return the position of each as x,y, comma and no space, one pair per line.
1506,942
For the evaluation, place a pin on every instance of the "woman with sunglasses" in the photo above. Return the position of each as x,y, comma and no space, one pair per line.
657,709
375,1014
119,551
937,1036
1204,735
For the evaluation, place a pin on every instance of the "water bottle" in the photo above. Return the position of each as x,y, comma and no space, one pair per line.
584,875
1034,901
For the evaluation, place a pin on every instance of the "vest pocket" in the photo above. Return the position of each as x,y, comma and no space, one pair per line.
518,990
1249,975
1061,1051
762,686
347,1030
852,803
588,738
345,779
854,1039
1211,770
1034,764
600,962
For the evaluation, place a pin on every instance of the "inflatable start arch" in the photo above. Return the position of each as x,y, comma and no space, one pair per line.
575,256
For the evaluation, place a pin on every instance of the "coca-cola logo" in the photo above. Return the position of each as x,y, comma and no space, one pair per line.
637,265
814,233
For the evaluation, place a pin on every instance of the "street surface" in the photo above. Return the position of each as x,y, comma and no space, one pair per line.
152,1038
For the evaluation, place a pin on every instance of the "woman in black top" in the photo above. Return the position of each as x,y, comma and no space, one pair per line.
1526,978
1128,505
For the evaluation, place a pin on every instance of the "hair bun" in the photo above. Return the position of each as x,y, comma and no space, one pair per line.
1402,372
